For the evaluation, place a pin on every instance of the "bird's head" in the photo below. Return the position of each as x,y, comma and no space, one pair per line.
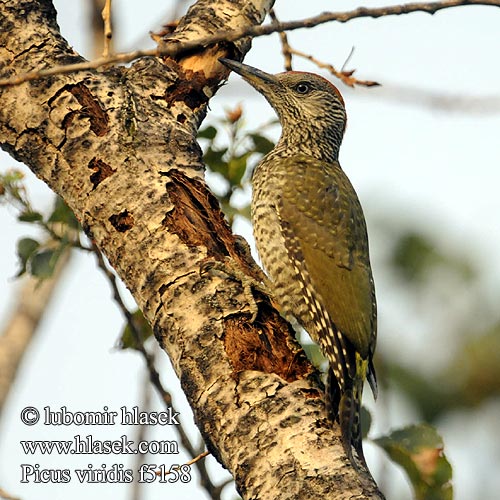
310,109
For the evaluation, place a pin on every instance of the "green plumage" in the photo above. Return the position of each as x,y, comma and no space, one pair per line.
323,210
311,236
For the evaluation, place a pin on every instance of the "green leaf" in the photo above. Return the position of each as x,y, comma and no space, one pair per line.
416,257
419,450
432,397
208,133
63,214
128,340
475,368
245,211
13,188
42,264
213,158
26,247
261,144
12,176
366,422
30,216
236,169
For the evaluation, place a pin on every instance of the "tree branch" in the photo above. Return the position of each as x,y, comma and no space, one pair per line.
285,45
174,50
32,301
344,75
119,145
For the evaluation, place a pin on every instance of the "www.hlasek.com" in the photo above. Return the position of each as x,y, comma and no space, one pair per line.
88,445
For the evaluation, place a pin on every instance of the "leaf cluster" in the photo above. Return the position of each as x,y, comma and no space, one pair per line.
233,162
419,450
60,228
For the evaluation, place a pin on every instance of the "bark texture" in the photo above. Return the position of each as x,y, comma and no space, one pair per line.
119,145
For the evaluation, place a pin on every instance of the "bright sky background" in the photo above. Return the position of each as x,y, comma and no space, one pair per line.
425,145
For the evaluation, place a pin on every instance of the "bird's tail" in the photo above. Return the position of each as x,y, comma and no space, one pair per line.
344,405
332,395
350,424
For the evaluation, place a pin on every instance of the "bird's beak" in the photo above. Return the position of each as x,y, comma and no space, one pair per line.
255,77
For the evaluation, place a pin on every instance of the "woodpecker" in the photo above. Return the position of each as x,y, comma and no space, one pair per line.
311,236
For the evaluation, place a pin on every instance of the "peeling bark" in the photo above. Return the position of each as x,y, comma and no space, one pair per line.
119,145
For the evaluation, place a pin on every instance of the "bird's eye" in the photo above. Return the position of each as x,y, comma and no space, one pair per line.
302,88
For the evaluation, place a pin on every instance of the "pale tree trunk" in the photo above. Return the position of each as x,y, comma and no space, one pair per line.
32,300
119,145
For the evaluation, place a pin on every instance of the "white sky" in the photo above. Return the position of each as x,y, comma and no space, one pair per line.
440,167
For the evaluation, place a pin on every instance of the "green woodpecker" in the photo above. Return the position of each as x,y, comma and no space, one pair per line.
311,236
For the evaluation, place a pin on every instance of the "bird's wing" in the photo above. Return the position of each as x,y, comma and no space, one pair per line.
319,206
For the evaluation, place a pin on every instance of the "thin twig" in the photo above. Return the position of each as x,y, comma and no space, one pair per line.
137,487
108,31
285,46
63,238
6,496
118,58
345,76
212,490
199,457
191,462
348,58
178,48
218,489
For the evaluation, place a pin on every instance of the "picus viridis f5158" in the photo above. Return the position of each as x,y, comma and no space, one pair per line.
311,236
